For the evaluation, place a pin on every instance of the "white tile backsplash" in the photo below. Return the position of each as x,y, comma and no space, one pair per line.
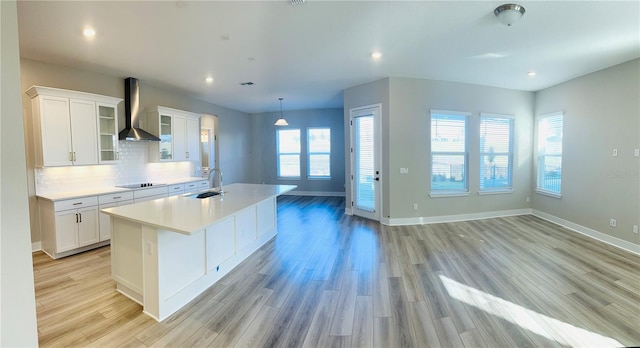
132,168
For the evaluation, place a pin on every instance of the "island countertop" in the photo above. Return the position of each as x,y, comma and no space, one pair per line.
187,215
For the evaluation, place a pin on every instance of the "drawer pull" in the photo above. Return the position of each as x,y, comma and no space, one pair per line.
117,197
79,203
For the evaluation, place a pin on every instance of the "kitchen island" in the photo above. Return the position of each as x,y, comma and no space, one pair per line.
167,251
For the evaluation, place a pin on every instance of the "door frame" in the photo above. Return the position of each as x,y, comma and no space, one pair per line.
376,111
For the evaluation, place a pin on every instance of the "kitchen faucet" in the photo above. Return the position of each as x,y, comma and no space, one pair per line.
213,170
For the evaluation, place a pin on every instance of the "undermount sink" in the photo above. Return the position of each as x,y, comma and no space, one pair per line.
205,194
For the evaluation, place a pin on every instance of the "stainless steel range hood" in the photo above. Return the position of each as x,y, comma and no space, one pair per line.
132,130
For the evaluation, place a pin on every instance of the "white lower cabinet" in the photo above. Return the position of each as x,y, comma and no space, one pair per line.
220,242
69,226
110,201
245,227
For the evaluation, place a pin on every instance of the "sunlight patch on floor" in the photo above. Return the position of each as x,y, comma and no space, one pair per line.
553,329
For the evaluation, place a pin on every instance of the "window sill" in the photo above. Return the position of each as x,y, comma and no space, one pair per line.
318,178
549,193
297,178
448,194
495,192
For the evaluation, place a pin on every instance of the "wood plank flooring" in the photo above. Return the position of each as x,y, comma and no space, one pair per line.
333,280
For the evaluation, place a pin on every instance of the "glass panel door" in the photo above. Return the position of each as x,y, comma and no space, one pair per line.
108,125
166,138
365,162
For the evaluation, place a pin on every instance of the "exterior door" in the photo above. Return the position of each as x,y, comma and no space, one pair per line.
365,162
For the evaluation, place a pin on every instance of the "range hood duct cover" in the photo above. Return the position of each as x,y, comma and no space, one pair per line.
132,130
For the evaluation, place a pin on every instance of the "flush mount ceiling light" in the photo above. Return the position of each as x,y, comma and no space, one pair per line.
376,55
531,73
281,121
209,80
508,14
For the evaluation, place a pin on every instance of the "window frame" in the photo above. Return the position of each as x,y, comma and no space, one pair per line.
510,154
541,156
450,192
310,153
278,154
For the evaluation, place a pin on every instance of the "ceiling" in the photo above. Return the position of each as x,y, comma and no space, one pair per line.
309,53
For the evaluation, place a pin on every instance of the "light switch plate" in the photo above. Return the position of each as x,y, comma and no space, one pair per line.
404,170
615,152
636,152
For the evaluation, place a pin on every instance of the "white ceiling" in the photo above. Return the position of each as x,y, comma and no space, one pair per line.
309,53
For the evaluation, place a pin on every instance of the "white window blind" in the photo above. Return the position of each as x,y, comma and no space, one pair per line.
319,152
288,145
448,152
549,178
364,171
496,152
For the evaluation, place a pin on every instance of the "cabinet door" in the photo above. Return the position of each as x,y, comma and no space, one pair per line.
166,137
193,139
220,244
108,133
105,222
84,132
245,227
66,230
56,131
88,226
179,138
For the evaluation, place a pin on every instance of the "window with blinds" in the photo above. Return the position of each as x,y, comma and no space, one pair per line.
319,153
496,152
449,156
549,178
288,145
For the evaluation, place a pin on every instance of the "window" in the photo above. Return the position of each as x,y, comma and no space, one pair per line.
448,152
319,150
496,153
288,144
550,154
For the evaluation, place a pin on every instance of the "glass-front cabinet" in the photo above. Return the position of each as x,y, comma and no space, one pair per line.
166,138
108,133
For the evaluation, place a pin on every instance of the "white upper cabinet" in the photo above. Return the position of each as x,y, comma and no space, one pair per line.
69,129
179,133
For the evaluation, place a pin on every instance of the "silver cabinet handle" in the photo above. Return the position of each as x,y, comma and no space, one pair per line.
70,156
80,217
76,217
79,203
117,197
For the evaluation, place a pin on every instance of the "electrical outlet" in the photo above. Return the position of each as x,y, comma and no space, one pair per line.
636,152
404,170
612,222
415,206
635,229
528,199
615,152
149,247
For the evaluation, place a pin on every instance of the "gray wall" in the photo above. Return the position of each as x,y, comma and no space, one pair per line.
363,95
264,148
17,297
601,112
406,142
234,142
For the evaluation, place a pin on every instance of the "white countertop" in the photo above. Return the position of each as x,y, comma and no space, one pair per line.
187,215
58,196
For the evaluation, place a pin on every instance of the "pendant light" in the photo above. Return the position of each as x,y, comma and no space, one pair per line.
281,121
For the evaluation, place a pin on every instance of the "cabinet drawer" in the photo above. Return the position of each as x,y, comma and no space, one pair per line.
115,197
75,203
176,189
155,191
190,186
203,184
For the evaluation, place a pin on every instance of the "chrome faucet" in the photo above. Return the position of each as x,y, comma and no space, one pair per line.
211,171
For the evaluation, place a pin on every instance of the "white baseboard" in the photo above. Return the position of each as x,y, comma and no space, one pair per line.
36,246
603,237
422,220
315,193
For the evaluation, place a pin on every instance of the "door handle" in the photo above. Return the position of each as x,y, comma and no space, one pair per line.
377,179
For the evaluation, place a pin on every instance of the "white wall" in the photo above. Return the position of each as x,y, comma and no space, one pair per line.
264,149
601,113
18,327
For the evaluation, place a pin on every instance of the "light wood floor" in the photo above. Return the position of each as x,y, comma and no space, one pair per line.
330,280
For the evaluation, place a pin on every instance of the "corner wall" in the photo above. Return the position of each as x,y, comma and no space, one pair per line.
18,326
601,113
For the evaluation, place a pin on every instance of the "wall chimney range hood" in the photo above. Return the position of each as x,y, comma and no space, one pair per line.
132,130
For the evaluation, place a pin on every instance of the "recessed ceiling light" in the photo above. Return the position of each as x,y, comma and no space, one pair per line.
89,33
209,79
376,55
531,73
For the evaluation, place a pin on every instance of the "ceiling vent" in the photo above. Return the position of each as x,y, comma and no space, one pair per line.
248,83
296,2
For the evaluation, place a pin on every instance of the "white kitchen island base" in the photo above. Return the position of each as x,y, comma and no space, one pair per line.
163,268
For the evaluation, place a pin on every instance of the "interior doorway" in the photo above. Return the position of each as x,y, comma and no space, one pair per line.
208,143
